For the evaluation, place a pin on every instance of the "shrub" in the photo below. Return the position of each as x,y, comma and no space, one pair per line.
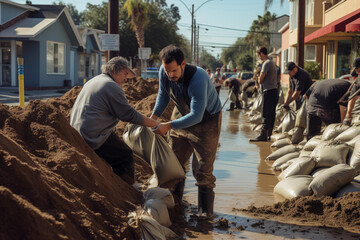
313,68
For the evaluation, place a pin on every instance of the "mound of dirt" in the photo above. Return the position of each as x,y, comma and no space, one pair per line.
52,184
327,211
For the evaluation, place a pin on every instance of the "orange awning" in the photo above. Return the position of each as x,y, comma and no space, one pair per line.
354,26
336,26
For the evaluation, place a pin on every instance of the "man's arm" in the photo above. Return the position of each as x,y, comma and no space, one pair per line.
350,107
291,96
149,122
261,78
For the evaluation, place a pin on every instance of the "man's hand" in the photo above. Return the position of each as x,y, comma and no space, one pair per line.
347,121
162,128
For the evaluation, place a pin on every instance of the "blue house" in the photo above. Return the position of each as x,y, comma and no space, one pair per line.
46,37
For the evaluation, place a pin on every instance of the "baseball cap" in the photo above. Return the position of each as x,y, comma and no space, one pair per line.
289,67
356,65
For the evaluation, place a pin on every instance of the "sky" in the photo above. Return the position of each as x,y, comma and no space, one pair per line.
221,22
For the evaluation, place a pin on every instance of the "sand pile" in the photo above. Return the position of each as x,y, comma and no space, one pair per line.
52,184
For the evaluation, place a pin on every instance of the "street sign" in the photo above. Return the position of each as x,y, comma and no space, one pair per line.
144,53
109,42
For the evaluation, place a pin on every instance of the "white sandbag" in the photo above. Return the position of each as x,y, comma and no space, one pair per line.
294,186
352,142
164,162
281,143
331,180
258,103
256,119
305,153
158,210
162,194
298,135
139,139
353,186
279,128
301,166
281,152
317,171
333,130
258,127
348,134
284,166
301,115
150,228
289,121
312,143
357,178
302,143
330,155
355,157
279,136
280,161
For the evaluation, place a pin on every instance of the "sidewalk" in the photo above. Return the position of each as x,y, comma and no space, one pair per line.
11,94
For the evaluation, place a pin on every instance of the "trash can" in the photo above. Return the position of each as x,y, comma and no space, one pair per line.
67,83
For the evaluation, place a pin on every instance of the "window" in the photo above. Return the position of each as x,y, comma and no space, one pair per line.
310,53
309,12
55,57
285,59
293,14
292,56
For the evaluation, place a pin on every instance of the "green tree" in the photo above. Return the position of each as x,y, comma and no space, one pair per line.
77,16
209,61
268,3
96,16
137,11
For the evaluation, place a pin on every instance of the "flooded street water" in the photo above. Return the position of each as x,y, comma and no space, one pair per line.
244,179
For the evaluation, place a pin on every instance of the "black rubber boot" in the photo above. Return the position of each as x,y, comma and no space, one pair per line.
263,137
179,190
238,104
206,198
232,105
269,133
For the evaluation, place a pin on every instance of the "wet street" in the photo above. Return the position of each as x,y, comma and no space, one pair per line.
244,179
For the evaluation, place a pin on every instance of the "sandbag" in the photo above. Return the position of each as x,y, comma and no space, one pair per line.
300,166
281,152
312,143
279,136
348,134
298,135
330,155
281,143
280,161
302,143
281,96
289,121
139,139
232,96
279,113
256,119
301,115
331,180
158,210
333,130
161,194
317,171
304,153
352,142
258,103
355,157
164,162
294,186
284,166
353,186
150,228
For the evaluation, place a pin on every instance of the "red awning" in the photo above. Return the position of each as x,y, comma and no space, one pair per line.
354,26
336,26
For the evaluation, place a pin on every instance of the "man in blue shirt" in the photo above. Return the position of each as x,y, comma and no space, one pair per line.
196,121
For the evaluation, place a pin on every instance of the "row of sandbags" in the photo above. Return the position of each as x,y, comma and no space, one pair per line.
325,165
153,219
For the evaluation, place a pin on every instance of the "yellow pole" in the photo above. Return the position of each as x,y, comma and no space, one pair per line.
84,80
20,62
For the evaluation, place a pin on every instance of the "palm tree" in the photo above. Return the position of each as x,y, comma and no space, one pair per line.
137,12
268,3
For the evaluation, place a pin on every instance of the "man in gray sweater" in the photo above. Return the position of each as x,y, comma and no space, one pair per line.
101,104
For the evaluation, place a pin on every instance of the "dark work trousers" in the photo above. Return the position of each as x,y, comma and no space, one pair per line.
202,140
319,116
271,98
218,89
119,156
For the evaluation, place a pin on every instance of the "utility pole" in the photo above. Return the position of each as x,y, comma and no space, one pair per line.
197,45
113,23
301,33
192,32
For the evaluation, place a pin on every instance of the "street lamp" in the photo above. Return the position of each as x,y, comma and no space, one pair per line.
193,29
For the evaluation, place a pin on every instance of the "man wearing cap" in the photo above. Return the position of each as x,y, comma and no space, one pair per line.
97,110
299,83
354,91
195,124
269,88
217,80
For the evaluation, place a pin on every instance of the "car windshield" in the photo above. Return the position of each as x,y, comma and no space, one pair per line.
246,76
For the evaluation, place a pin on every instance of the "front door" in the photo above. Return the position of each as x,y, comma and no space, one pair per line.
5,63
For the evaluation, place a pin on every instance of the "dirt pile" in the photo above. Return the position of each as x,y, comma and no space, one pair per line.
52,184
324,211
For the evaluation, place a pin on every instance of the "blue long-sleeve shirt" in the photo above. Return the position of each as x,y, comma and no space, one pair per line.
201,92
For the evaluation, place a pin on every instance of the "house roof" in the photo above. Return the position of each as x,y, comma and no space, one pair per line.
25,6
41,19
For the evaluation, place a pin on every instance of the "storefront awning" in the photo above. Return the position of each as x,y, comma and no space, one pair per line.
336,26
354,26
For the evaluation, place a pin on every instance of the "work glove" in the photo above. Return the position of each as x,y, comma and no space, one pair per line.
347,121
287,108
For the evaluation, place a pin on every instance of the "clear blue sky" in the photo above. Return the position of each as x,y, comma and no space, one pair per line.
237,15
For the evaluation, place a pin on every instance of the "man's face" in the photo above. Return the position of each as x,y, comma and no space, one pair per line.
122,76
173,70
357,70
261,56
293,72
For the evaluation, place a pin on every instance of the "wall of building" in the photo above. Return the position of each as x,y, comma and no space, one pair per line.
340,9
284,46
9,12
31,55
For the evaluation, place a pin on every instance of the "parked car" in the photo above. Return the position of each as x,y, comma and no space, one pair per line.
150,73
246,75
